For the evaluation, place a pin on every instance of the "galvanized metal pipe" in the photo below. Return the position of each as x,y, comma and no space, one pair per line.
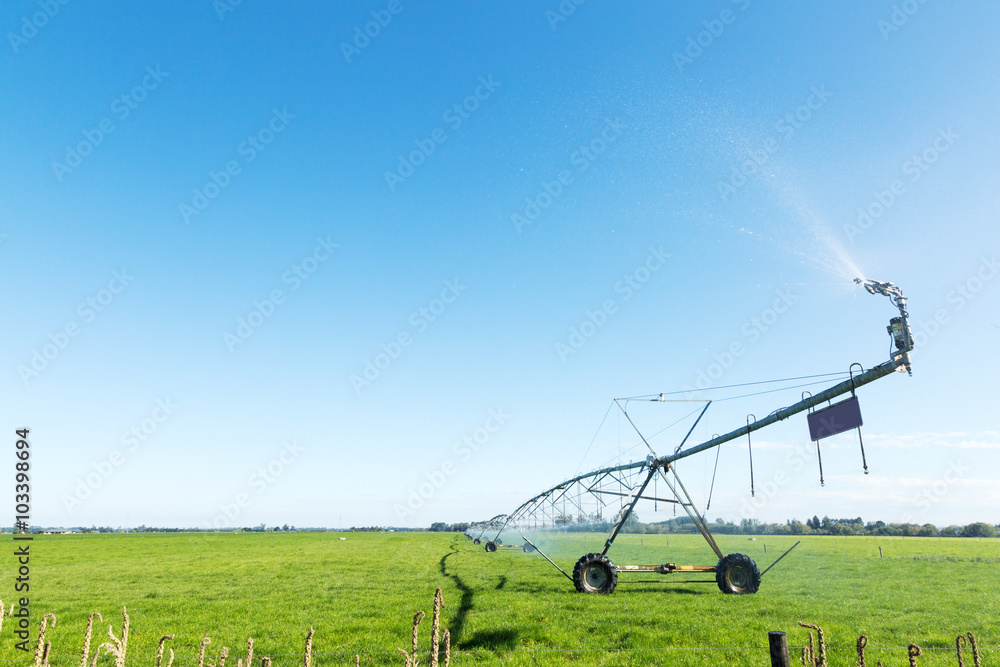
780,414
880,371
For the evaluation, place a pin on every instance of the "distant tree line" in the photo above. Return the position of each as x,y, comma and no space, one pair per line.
813,526
817,526
260,528
441,527
678,525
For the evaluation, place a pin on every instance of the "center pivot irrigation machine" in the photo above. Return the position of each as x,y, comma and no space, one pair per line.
627,484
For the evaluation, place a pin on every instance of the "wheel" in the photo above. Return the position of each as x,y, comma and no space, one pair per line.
595,573
476,541
528,548
491,547
737,574
498,542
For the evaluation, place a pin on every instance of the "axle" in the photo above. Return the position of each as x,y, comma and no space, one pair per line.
667,568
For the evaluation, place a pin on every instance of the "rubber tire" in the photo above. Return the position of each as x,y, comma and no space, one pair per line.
595,573
491,547
476,541
528,548
737,574
498,542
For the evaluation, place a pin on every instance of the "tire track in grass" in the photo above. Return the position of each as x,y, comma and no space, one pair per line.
490,639
465,604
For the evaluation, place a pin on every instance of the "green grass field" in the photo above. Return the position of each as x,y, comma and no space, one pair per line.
508,608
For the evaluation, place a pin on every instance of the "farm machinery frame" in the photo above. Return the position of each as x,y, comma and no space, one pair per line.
733,573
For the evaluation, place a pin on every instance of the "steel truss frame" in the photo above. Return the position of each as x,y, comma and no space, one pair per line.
636,476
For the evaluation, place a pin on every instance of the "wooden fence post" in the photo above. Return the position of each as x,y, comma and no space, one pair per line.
778,642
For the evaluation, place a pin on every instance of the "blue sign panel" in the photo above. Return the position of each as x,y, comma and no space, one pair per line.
835,419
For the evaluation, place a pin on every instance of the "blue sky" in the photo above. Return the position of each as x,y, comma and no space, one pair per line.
213,178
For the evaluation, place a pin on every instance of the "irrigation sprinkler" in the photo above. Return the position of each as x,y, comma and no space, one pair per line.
566,505
479,528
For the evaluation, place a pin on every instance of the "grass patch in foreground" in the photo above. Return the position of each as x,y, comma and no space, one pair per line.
510,607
